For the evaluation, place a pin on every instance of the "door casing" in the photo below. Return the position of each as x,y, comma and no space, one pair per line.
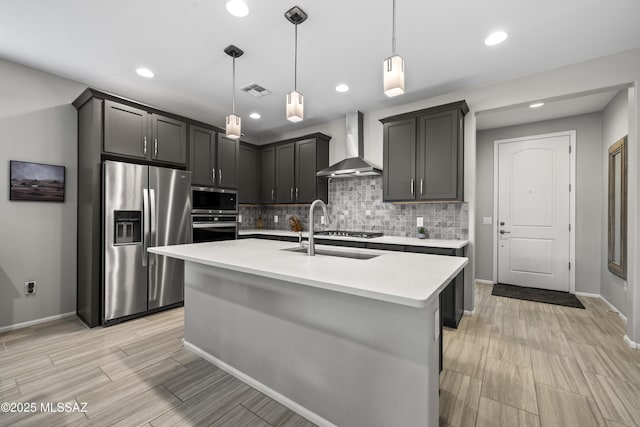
572,200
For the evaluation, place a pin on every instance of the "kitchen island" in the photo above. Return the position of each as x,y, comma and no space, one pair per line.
348,341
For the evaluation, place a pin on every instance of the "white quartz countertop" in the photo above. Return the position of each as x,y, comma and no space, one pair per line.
397,277
389,240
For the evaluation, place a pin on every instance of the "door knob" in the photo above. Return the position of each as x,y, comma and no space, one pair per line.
501,222
504,232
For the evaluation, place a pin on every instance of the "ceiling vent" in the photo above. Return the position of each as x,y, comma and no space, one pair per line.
255,90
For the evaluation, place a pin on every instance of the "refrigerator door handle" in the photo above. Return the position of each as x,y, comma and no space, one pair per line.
154,232
145,222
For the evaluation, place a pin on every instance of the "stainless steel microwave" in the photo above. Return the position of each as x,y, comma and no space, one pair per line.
206,200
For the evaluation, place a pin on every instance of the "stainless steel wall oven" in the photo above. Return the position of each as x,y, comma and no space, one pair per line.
214,215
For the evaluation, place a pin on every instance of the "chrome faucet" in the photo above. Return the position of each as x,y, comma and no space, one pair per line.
311,251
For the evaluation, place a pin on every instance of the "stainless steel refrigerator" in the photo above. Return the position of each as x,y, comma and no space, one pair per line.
143,206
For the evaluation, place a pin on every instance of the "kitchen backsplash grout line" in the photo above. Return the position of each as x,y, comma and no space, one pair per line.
356,204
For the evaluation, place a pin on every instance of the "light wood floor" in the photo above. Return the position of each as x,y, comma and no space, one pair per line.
512,363
135,373
520,363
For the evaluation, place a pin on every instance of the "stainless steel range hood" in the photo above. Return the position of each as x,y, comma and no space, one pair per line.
354,164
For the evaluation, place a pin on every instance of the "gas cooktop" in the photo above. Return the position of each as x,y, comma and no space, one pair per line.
360,234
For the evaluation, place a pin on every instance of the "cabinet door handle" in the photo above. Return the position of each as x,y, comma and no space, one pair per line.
421,185
155,147
213,175
412,186
144,146
272,194
219,176
296,193
291,193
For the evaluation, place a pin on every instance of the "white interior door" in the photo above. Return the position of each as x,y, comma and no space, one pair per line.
534,212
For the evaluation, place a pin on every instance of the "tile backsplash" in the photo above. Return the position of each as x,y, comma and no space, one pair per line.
356,204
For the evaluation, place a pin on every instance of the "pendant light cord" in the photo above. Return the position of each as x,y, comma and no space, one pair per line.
393,38
295,61
233,93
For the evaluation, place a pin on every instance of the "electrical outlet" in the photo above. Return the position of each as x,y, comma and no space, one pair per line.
239,218
487,220
322,220
275,219
30,287
420,221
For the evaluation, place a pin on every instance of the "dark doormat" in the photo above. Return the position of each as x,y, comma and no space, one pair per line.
537,295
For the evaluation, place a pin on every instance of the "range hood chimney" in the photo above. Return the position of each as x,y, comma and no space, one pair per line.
354,164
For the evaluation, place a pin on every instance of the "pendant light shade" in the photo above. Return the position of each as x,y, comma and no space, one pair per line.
233,122
233,127
295,107
295,102
393,67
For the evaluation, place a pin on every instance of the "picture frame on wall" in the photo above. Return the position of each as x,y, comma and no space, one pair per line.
36,182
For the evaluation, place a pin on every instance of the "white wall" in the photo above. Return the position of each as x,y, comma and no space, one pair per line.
615,125
589,173
37,239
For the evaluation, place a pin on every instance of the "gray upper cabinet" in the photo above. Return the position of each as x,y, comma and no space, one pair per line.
169,140
133,132
288,170
125,130
423,154
268,175
227,155
399,160
248,175
202,156
213,159
440,160
312,155
285,178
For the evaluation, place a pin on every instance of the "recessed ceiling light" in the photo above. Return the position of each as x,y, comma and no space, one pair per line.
536,105
145,72
342,88
255,115
495,38
237,8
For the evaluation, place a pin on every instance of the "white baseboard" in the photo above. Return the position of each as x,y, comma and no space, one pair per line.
36,322
620,315
469,312
484,282
630,343
295,407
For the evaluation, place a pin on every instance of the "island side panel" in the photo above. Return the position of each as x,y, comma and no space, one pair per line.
352,361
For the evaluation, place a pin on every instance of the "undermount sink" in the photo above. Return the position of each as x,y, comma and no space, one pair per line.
328,252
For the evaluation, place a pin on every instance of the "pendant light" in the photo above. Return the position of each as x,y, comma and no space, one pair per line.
295,103
233,122
393,67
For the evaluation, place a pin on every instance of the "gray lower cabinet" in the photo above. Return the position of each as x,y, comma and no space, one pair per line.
268,175
135,133
423,153
285,173
213,159
248,175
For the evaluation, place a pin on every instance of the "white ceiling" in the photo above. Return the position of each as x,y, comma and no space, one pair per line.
101,42
552,109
